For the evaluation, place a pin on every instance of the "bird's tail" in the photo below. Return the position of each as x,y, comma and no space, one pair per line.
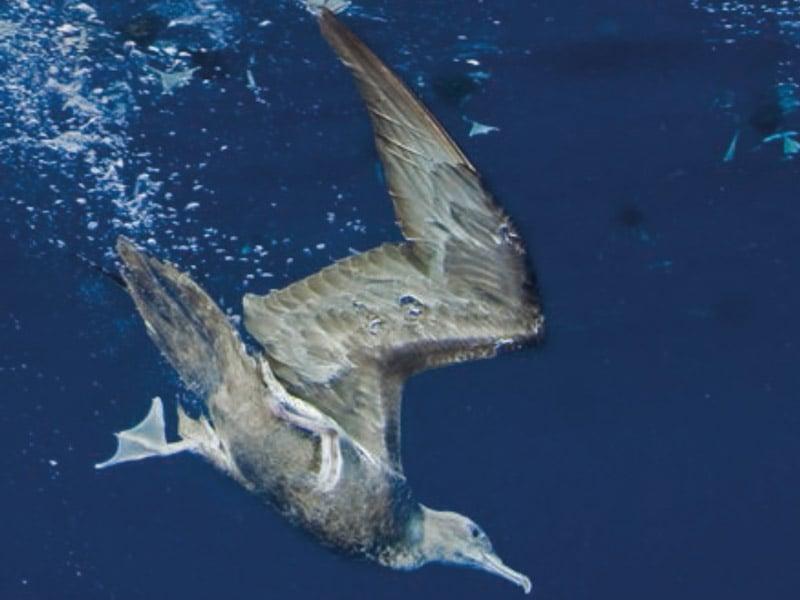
187,326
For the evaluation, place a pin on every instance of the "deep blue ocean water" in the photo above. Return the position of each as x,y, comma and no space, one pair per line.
649,448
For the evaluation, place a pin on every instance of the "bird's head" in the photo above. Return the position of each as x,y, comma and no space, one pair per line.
451,538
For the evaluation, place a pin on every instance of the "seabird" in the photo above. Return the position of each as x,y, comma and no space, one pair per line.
312,423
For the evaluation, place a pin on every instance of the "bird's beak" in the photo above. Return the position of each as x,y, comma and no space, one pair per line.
490,562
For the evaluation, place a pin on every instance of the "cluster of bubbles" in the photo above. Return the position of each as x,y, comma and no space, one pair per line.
75,174
734,22
65,114
69,93
78,168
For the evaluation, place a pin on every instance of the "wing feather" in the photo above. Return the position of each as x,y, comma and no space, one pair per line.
457,289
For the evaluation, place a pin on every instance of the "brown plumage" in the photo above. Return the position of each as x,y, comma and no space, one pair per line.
313,424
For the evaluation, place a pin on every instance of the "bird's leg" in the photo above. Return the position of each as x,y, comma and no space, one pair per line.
330,450
304,416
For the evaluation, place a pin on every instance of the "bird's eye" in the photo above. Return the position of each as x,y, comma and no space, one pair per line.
475,532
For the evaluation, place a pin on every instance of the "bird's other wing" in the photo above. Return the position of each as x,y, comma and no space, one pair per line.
457,289
188,327
198,340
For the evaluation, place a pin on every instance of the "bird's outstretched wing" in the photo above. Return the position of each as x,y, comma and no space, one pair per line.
346,337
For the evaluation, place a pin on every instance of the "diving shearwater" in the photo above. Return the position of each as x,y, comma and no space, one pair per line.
312,423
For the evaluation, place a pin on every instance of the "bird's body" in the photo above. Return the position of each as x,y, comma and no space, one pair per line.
365,512
313,423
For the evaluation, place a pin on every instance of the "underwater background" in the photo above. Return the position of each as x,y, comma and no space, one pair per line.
649,448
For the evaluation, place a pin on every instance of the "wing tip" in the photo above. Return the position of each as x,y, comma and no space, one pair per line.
331,27
327,17
125,248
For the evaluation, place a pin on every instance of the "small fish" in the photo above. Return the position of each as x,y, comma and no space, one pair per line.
480,128
731,151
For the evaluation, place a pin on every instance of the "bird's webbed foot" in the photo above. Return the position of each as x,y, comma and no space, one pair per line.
146,439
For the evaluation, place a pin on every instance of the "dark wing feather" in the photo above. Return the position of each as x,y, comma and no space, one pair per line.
457,289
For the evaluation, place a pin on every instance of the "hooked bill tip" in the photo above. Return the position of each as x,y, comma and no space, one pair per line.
494,565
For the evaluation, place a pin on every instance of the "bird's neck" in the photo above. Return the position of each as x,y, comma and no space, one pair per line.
406,551
420,542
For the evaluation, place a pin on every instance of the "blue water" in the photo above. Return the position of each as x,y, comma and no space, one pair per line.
647,449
